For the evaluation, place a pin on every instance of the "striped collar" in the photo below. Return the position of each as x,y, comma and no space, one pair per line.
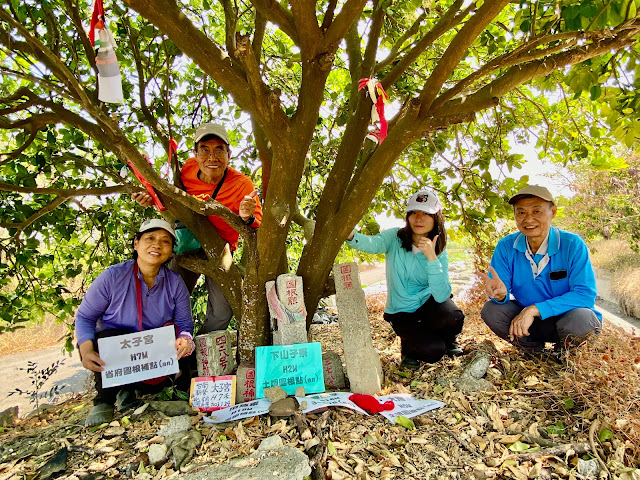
553,239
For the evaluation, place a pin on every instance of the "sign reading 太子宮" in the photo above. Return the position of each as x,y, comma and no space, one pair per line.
289,366
213,393
138,356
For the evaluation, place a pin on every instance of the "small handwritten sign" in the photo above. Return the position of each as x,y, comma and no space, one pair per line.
138,356
289,366
213,393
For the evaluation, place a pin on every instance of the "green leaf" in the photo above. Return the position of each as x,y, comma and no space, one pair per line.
604,435
556,429
568,403
519,446
595,92
405,422
401,374
331,447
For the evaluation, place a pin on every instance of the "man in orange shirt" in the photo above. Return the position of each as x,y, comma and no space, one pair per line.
208,175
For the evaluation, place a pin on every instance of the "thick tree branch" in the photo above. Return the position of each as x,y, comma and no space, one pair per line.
259,29
277,15
449,20
41,52
308,225
168,17
347,17
369,57
521,55
328,15
230,22
304,18
456,49
519,74
355,64
395,50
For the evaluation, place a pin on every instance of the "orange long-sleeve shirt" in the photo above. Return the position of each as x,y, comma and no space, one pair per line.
235,187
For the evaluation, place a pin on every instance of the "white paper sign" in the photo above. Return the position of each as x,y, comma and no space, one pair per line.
332,399
240,411
138,356
407,406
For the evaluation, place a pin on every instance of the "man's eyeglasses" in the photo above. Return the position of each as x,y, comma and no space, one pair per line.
204,153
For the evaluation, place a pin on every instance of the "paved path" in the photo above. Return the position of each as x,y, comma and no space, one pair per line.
70,374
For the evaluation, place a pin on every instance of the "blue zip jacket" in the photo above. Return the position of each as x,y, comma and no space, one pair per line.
567,282
411,278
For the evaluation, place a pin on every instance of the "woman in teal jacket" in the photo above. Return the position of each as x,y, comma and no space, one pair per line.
419,305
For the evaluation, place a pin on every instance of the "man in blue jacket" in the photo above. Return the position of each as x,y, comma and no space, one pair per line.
541,283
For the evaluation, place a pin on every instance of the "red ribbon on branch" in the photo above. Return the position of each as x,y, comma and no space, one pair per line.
145,183
378,96
173,149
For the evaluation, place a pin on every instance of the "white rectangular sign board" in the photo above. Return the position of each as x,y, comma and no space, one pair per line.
138,356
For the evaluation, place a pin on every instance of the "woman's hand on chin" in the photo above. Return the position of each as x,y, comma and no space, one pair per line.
90,358
428,247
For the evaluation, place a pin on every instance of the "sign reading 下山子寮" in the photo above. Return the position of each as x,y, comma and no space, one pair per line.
289,366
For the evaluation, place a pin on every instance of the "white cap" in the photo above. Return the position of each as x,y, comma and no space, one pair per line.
211,129
154,223
424,200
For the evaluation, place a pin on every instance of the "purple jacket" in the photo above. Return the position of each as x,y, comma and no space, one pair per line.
110,302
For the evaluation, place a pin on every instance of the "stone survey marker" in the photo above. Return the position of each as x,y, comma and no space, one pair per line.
333,372
362,360
287,310
214,354
245,382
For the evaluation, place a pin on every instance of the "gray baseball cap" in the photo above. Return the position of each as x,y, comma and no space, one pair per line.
532,191
211,129
155,223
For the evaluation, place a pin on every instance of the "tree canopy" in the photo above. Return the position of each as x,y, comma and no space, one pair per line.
465,79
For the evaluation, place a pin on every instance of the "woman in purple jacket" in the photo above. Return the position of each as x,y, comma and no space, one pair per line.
133,296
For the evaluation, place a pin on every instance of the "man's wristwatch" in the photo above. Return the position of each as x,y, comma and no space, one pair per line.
249,220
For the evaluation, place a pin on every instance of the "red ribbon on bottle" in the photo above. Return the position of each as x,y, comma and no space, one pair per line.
97,21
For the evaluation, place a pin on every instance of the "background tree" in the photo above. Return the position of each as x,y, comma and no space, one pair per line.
606,202
283,76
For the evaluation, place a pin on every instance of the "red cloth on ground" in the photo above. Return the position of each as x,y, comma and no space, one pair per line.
370,403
